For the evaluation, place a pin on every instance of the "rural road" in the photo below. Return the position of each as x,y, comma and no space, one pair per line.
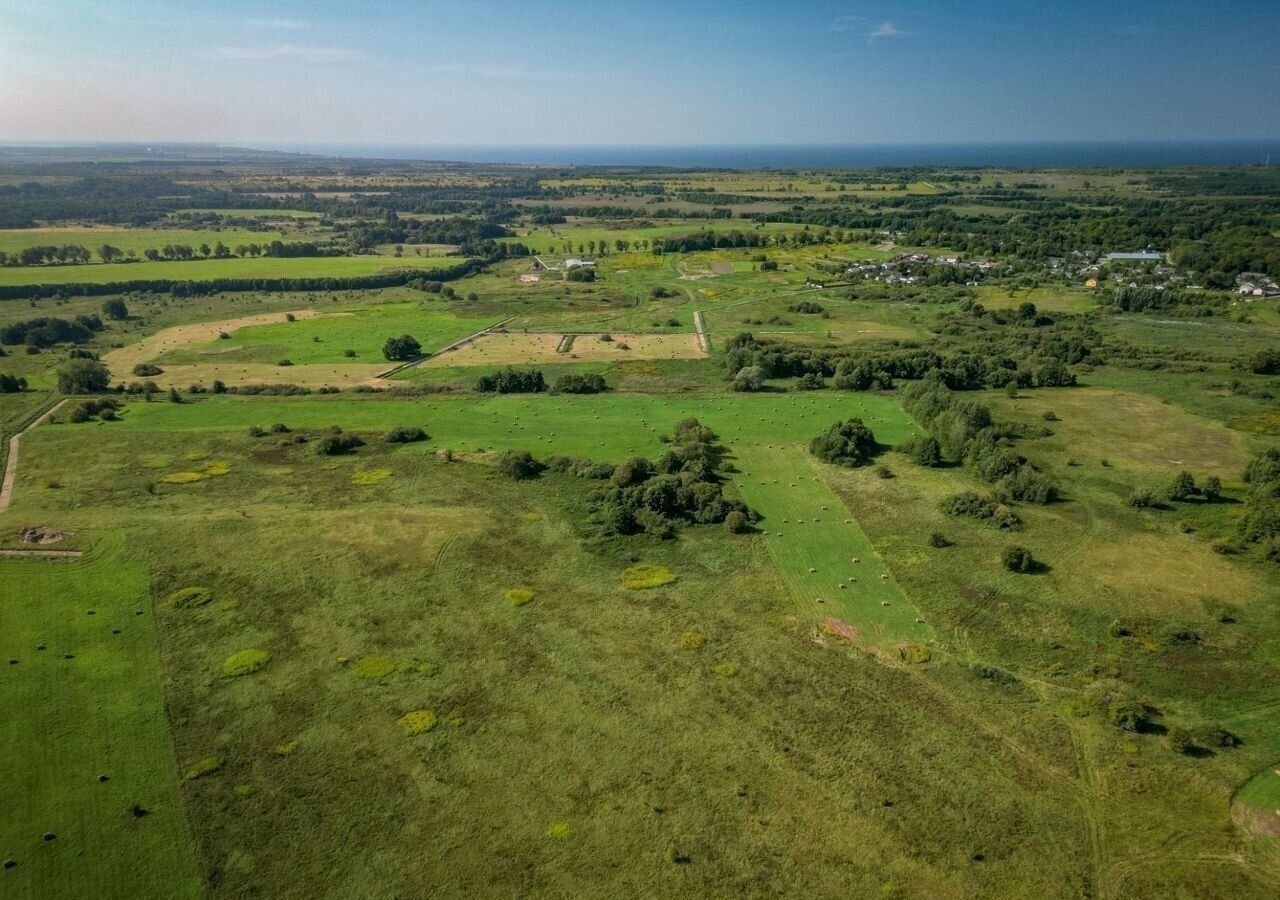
11,466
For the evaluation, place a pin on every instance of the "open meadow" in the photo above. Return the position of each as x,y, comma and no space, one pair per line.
800,567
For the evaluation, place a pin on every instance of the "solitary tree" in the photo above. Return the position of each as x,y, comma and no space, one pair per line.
401,348
115,309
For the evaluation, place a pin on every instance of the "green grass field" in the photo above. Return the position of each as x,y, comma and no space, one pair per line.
363,329
814,541
82,698
204,270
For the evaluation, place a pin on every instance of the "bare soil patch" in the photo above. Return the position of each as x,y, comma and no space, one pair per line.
42,534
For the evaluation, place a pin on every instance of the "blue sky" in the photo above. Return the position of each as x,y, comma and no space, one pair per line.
652,72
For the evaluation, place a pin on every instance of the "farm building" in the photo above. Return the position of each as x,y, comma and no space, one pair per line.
575,263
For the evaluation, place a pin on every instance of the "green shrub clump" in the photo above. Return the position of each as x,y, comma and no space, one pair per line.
848,444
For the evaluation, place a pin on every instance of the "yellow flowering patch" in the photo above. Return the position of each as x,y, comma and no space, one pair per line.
182,477
646,576
519,596
370,476
245,662
375,667
417,722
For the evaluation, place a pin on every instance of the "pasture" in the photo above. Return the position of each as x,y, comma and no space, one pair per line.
505,348
86,764
209,269
830,567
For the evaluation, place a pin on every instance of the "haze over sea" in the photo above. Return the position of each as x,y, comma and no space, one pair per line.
788,156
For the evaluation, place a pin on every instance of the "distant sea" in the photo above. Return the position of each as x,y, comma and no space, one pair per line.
795,156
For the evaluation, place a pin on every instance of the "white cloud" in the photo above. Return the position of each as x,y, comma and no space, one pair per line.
282,24
503,73
887,30
847,23
288,53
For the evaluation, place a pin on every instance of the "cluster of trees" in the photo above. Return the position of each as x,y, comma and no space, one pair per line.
512,381
1261,519
49,254
847,444
76,254
579,384
392,229
45,331
12,384
683,487
83,376
965,431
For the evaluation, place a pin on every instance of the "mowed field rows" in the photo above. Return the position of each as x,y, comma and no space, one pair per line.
827,561
86,764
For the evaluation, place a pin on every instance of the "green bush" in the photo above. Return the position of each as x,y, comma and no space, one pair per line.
1018,559
519,464
403,434
848,444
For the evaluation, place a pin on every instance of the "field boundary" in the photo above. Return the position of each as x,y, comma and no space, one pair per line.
11,460
454,346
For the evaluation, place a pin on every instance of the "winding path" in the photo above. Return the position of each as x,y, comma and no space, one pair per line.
11,465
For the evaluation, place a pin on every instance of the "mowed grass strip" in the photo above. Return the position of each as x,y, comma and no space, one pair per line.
211,269
89,704
606,427
814,541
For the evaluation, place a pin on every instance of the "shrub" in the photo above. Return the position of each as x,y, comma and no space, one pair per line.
403,434
1182,488
806,306
1143,499
284,362
939,540
336,443
848,443
737,522
519,464
810,381
83,376
1018,559
1212,489
1130,715
401,348
967,503
749,379
12,384
923,449
579,384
